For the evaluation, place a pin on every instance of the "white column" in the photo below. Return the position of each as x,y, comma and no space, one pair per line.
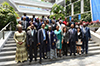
91,10
82,6
72,9
70,1
56,0
64,2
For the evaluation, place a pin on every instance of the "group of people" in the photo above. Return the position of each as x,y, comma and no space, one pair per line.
50,38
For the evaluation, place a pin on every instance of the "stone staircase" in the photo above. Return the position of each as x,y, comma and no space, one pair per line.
7,53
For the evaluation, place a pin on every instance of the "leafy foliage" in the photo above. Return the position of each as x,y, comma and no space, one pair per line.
57,16
86,5
73,0
86,17
7,14
67,2
58,11
77,7
68,10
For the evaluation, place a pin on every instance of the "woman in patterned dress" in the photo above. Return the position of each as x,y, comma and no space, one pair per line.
59,38
20,38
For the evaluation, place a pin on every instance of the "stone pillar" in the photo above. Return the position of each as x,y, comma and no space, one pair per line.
72,9
82,6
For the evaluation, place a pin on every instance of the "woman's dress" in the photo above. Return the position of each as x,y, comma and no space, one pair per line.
59,38
21,53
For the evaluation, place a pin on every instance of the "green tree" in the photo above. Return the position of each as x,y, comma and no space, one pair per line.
77,7
58,11
7,14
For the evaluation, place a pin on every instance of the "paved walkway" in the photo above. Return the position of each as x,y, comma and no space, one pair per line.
81,61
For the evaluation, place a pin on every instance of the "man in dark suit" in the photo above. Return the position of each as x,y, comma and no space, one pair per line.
27,18
24,15
53,25
34,19
43,18
54,19
72,22
86,36
32,43
72,39
42,40
49,19
24,24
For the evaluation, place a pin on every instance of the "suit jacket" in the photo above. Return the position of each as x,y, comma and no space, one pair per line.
50,21
53,26
27,18
73,37
34,19
72,23
55,20
87,34
40,36
23,24
66,37
51,39
31,38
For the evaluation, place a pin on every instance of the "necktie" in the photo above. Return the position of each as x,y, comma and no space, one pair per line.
44,34
84,30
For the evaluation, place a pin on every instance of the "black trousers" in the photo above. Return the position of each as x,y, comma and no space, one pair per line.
33,50
42,48
72,47
65,48
85,46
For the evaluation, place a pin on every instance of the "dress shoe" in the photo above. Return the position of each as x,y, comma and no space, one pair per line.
82,52
44,58
35,59
74,54
30,60
70,54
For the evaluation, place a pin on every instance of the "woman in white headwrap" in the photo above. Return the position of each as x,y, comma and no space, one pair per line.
20,39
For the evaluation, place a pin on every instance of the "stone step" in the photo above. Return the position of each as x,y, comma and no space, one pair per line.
7,58
8,63
12,36
93,45
12,62
10,39
94,52
8,48
10,42
91,42
10,45
5,53
94,48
